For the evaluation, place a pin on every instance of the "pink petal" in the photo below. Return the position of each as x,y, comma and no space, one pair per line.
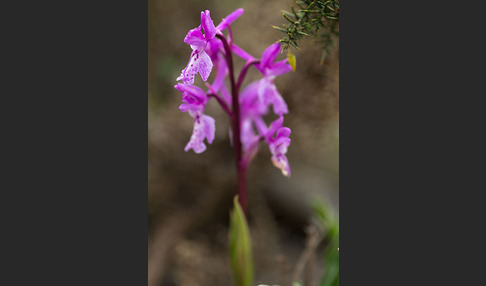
279,105
265,90
222,70
209,127
213,47
283,132
229,19
274,126
204,127
193,90
195,37
268,94
204,65
197,137
250,93
207,25
269,55
279,68
241,53
261,126
247,134
199,62
281,162
280,145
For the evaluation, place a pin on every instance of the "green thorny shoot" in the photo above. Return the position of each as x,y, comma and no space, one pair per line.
319,19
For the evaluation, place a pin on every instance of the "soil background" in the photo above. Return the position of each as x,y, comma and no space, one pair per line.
190,195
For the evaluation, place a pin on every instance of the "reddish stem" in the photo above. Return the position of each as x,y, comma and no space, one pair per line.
222,103
242,75
241,169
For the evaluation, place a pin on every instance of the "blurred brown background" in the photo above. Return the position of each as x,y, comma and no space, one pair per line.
190,195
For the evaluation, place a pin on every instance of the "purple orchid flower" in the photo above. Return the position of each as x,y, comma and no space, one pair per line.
278,145
200,60
250,103
277,138
215,45
194,100
251,110
204,127
199,38
267,91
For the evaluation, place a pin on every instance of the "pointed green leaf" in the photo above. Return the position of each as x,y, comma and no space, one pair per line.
280,29
288,13
288,19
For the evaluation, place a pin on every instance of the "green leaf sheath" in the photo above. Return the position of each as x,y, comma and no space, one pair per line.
240,247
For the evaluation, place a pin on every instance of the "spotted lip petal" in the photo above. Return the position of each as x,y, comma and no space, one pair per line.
204,127
205,65
199,62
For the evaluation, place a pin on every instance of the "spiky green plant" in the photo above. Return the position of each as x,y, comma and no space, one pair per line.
319,19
